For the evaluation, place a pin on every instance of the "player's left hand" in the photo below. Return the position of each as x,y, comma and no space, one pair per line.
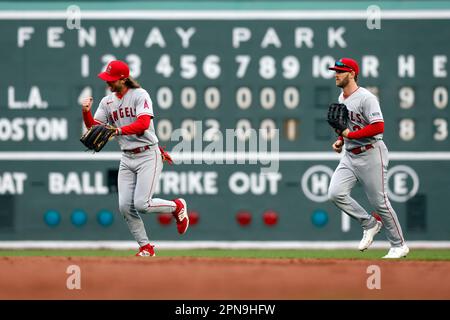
165,156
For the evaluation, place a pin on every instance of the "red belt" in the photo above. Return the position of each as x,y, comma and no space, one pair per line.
361,149
138,150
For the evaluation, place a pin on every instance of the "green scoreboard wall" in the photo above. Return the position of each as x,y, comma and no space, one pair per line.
206,72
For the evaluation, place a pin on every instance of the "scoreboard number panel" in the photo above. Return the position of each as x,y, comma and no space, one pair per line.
251,68
258,69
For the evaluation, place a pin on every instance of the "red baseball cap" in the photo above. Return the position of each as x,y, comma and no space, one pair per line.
346,64
115,70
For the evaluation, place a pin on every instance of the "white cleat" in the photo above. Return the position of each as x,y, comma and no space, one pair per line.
397,252
368,235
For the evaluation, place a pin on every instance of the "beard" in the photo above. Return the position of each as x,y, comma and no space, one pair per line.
114,88
343,83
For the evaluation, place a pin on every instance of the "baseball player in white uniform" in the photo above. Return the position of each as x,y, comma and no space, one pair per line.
365,160
129,109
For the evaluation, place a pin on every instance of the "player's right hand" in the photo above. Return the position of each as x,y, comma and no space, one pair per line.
87,104
337,146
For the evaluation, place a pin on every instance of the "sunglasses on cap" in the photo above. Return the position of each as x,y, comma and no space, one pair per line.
342,65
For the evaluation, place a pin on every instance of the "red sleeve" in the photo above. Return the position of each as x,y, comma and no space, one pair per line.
368,131
340,138
88,119
138,127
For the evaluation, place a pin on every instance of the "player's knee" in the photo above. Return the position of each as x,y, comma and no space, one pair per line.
335,195
124,208
141,205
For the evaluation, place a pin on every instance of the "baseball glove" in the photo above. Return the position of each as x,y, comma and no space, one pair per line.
338,117
96,137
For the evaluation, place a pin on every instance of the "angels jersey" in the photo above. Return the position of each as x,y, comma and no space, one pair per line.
363,109
122,112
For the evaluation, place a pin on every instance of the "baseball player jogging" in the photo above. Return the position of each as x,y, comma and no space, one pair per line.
129,110
365,159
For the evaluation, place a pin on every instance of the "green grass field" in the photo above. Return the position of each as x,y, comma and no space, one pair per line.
415,254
